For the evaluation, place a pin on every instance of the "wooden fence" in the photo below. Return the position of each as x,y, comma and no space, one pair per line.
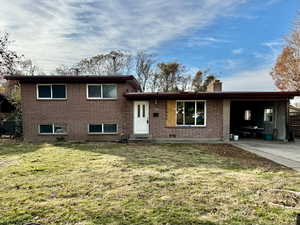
295,122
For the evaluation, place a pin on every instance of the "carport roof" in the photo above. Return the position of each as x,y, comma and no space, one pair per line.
212,95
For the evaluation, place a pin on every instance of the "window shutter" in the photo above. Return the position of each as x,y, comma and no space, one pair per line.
171,113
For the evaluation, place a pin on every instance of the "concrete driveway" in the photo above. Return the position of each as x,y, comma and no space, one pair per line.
287,154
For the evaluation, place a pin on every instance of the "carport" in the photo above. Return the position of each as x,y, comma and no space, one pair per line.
258,115
259,119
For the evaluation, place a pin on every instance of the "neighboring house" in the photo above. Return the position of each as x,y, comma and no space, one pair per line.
294,109
108,107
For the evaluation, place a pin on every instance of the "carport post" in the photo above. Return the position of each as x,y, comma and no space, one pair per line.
226,119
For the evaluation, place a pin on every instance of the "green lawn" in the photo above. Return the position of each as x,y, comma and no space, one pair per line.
109,183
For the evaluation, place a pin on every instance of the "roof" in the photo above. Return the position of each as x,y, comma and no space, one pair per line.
211,95
76,79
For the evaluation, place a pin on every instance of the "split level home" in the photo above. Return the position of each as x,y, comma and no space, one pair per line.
95,108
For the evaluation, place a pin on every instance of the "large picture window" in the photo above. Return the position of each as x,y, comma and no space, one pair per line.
191,113
102,128
51,91
52,128
101,91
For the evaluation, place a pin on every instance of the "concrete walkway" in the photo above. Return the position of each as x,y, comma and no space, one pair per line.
287,154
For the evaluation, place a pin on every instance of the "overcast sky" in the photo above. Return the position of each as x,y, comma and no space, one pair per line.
237,39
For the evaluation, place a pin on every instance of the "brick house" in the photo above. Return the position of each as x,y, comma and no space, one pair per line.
107,107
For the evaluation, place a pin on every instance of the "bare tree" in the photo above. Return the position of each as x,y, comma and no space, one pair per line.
170,75
144,68
153,83
197,83
112,63
27,68
8,58
200,85
286,72
65,70
184,83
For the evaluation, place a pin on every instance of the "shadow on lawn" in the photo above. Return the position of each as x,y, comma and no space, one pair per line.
17,148
222,156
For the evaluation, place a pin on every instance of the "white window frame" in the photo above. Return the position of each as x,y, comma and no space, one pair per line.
205,116
102,125
53,126
267,121
101,97
51,92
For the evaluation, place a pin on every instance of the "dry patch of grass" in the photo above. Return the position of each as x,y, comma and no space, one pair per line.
108,183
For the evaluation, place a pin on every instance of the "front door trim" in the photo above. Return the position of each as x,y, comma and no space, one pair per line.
141,117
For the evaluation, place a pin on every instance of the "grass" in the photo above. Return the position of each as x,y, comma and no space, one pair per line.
109,183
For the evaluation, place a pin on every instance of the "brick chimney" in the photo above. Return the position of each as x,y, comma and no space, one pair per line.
214,86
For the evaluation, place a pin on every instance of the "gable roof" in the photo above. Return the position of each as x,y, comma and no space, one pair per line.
76,79
211,95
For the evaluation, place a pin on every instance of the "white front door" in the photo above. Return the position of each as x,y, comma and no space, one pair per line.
141,117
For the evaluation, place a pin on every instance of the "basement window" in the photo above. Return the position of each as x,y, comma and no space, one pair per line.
52,128
51,91
102,128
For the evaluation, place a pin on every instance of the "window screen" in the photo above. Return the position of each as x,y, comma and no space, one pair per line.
94,91
58,91
44,91
109,91
46,129
110,128
95,128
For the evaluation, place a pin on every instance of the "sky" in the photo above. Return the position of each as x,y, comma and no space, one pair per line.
238,40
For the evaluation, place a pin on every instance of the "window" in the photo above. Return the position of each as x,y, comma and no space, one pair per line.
139,111
51,91
94,91
53,129
46,129
109,91
268,115
101,91
102,128
191,113
95,128
110,128
60,128
247,115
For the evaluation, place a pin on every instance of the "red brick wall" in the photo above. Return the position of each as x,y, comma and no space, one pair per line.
77,112
213,129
